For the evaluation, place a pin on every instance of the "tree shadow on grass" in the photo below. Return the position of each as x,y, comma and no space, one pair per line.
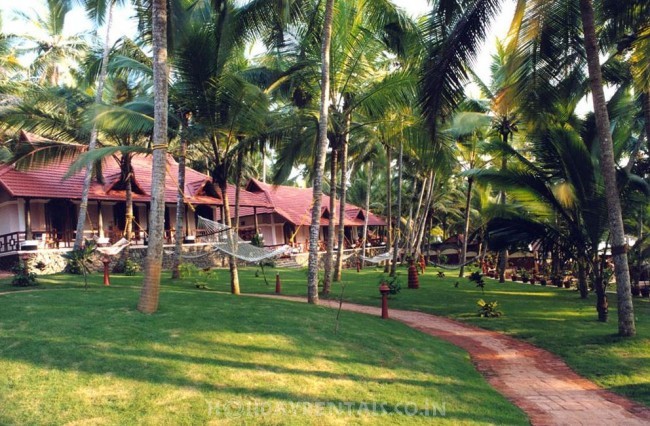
94,333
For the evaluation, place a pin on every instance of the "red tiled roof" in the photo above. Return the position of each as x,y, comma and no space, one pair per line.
295,205
48,182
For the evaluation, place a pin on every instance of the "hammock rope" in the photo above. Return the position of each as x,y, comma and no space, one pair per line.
115,249
227,243
378,258
438,265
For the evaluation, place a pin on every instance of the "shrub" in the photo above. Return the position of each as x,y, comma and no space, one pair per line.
80,259
488,309
477,278
392,282
195,275
22,277
131,268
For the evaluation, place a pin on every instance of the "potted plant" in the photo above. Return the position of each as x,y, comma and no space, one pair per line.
525,276
556,279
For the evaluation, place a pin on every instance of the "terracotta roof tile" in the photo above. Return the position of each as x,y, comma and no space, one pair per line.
295,205
48,182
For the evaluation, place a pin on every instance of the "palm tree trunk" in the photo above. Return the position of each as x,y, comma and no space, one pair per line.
329,256
83,206
425,213
238,173
344,184
232,261
128,195
364,240
389,203
415,225
149,295
582,278
180,208
463,253
626,326
319,160
503,253
398,217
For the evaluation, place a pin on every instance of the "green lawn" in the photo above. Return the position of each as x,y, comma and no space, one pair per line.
555,319
71,356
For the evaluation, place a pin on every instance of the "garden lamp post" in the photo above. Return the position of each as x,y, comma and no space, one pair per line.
384,290
107,279
278,284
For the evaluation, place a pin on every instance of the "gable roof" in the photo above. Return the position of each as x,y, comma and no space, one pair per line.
48,182
294,204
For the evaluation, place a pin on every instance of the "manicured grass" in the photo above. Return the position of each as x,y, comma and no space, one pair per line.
552,318
69,355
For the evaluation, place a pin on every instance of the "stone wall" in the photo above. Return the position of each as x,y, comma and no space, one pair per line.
52,261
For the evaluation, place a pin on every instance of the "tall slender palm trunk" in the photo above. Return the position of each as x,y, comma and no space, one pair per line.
626,326
503,253
398,216
344,184
364,240
329,256
150,293
92,144
389,203
319,160
128,222
463,253
180,209
232,261
425,213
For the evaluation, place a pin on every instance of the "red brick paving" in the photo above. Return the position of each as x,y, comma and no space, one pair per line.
535,380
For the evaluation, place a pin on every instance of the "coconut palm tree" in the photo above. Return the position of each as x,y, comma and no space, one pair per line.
626,326
56,54
97,10
149,294
319,159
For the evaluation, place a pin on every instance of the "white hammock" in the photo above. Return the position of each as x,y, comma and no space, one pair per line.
115,248
379,258
225,242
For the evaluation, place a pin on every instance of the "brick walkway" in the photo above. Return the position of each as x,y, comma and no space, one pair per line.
535,380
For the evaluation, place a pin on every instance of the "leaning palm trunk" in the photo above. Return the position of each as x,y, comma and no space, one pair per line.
626,326
398,216
415,230
364,240
344,183
153,263
180,212
319,160
463,253
83,206
329,255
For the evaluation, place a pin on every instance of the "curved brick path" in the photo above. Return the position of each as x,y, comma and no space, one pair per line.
535,380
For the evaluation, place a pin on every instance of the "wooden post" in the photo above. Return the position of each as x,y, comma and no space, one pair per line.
257,224
28,220
187,222
100,219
